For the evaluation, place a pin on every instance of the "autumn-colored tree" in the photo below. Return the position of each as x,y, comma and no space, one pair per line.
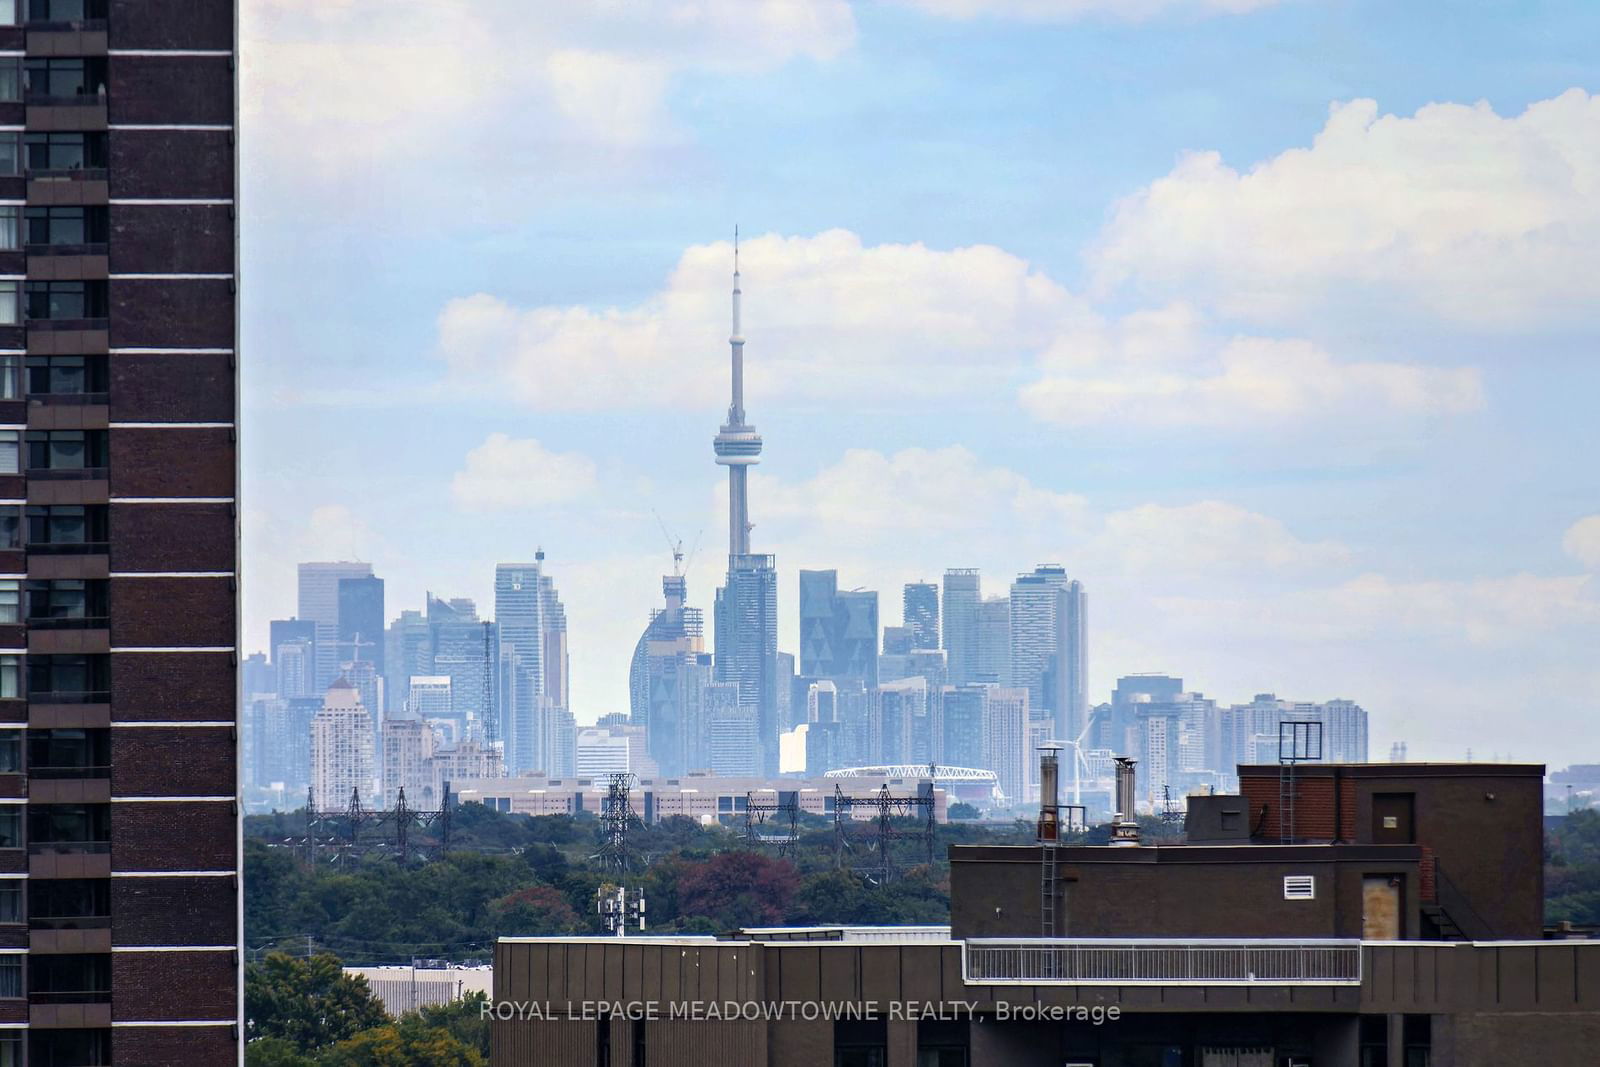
738,889
535,910
403,1044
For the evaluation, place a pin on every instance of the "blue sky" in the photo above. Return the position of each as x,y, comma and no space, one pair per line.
1272,321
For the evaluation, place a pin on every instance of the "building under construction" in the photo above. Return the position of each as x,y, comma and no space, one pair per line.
1399,926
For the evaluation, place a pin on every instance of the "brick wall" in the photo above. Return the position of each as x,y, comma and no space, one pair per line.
150,761
173,911
172,537
174,836
153,612
174,686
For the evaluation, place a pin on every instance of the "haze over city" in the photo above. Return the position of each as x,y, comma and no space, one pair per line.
991,322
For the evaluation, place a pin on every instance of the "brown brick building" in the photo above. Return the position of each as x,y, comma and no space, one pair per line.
1395,922
119,841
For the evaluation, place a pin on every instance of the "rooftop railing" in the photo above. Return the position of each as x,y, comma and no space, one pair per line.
1153,962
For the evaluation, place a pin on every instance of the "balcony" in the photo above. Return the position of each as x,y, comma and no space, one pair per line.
69,848
69,622
69,696
68,400
67,474
69,922
1040,961
69,996
68,548
76,770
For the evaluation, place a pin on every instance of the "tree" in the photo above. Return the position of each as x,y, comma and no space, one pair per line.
738,889
404,1044
275,1052
962,810
538,909
309,1003
464,1018
1572,869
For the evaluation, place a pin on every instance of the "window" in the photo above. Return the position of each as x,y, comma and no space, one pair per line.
62,300
69,678
63,903
10,1048
1299,887
10,751
10,826
65,225
63,79
70,979
10,677
64,151
10,153
8,228
10,526
11,976
66,525
10,600
9,307
64,10
10,12
10,78
10,376
66,450
66,752
66,375
11,904
64,598
69,824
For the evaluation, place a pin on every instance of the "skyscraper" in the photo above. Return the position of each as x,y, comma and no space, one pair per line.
361,622
341,749
1049,645
746,613
838,630
319,604
466,649
659,675
992,664
118,339
533,643
961,595
921,614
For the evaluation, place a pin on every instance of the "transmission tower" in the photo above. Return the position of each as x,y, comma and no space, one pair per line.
880,831
783,810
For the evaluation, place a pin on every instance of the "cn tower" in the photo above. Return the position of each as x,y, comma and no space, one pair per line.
738,446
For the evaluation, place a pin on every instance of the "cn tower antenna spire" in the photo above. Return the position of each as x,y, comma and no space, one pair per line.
738,446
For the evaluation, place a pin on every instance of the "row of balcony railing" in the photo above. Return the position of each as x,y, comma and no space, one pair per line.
1155,962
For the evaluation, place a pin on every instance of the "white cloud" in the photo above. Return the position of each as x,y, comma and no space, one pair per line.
1066,10
1481,219
1251,381
1517,609
340,88
832,320
825,317
1582,541
911,510
944,491
1208,537
507,473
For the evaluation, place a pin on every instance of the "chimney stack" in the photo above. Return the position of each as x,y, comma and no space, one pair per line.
1049,798
1125,824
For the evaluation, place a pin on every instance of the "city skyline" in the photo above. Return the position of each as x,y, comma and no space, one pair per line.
1335,459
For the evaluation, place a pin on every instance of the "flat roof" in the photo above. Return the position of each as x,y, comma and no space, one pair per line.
1401,770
